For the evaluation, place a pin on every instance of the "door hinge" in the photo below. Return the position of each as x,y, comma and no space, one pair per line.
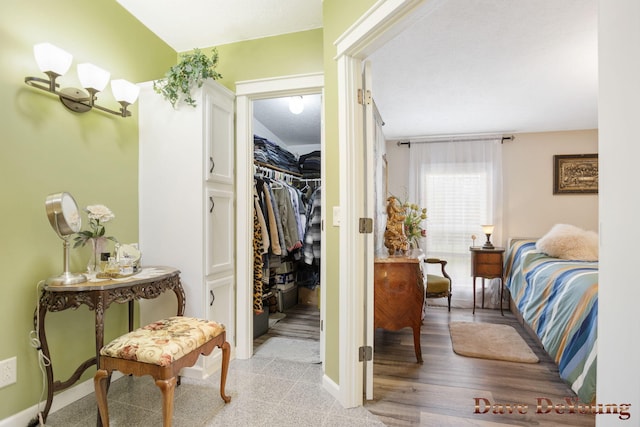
364,98
365,225
365,353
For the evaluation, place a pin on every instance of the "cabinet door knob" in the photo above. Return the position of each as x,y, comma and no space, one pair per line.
213,297
213,164
212,204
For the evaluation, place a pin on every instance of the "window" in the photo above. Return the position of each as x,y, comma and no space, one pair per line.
460,185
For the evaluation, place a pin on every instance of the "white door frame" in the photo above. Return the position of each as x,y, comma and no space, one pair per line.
246,92
384,20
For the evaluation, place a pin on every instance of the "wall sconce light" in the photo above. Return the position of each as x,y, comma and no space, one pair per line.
55,62
296,104
488,230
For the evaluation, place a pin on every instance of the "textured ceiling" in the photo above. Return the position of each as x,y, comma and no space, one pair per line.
465,67
488,66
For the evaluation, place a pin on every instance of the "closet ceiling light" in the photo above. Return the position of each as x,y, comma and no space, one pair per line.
54,62
296,104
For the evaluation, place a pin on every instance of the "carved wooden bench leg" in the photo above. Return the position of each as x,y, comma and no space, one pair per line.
168,388
100,384
226,355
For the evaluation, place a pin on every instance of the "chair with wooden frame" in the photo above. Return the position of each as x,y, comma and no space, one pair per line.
439,286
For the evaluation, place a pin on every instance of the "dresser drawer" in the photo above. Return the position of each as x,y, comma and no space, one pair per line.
488,258
494,270
487,264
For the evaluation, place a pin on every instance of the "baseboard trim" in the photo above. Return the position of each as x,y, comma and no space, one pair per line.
334,389
62,399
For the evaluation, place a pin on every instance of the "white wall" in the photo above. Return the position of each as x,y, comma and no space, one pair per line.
531,209
619,290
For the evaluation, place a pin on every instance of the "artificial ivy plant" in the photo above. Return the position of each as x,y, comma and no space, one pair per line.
192,69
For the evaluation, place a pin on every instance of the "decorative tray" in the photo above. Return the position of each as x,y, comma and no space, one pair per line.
105,275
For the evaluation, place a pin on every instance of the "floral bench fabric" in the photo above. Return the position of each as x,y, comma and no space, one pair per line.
163,342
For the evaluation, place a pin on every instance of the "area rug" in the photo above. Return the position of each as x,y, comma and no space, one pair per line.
305,351
490,341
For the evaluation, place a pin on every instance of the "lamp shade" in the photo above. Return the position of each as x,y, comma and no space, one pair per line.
487,229
93,77
125,91
51,58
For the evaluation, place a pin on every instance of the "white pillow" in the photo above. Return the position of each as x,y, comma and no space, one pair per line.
569,242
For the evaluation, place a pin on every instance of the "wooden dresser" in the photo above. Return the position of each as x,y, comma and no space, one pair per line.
399,292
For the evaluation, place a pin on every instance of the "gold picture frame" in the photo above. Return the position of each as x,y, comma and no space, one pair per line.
575,174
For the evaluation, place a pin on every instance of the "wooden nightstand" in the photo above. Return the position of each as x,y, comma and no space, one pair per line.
487,264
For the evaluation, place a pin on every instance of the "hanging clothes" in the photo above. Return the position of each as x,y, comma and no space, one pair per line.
258,249
312,235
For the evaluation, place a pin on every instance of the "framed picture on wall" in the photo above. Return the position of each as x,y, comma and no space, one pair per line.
575,174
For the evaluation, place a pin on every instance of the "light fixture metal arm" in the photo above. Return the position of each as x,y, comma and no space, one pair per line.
74,99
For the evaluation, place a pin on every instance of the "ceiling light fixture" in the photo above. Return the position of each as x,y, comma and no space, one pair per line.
55,62
296,104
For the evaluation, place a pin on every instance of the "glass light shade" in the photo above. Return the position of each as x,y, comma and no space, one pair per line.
487,229
52,58
93,77
124,90
296,104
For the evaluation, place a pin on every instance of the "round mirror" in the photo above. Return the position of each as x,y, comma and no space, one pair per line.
63,214
65,219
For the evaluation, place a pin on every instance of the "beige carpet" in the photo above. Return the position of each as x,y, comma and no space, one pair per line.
490,341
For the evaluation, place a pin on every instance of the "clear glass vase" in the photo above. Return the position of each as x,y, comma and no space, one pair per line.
97,245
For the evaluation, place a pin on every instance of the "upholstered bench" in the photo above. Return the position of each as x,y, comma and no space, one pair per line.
161,349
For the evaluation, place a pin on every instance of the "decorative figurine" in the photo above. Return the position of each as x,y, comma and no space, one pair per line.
394,238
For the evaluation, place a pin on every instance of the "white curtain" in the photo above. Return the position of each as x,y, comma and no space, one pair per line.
460,184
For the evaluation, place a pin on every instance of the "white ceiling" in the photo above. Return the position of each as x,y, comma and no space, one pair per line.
189,24
465,67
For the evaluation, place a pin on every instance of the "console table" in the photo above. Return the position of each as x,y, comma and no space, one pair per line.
98,295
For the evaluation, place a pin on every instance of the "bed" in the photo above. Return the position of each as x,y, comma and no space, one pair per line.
558,300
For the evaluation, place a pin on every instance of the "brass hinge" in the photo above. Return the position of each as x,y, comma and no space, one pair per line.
365,353
362,99
365,225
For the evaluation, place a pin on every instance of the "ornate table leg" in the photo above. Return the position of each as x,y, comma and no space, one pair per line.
38,321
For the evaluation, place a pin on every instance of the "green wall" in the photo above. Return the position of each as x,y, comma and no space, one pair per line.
94,156
48,149
338,16
288,54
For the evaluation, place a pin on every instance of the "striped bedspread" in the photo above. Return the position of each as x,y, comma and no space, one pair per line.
559,300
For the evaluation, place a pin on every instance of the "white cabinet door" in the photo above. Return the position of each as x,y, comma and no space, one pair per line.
219,230
221,304
218,134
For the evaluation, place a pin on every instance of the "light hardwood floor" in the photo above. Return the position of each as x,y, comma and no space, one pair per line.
443,390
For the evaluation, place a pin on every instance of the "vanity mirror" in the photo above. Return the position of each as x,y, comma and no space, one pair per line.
65,220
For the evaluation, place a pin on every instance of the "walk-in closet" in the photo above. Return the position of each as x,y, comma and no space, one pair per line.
286,237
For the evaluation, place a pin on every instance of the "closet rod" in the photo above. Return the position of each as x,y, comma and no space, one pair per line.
275,168
457,139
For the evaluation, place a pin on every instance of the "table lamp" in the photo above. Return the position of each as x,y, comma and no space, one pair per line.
487,230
